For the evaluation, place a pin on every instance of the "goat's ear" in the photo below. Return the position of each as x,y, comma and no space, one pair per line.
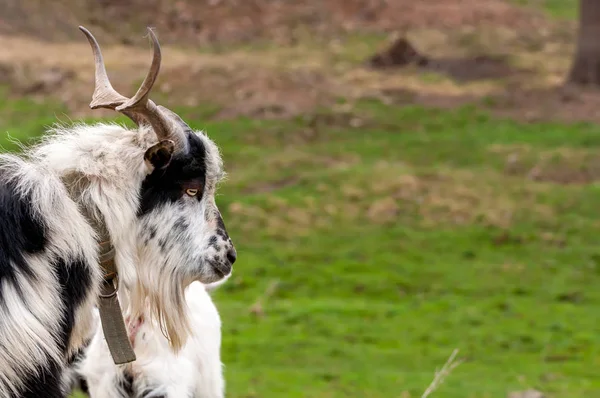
158,156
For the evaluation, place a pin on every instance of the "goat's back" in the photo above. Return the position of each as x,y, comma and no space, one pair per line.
48,279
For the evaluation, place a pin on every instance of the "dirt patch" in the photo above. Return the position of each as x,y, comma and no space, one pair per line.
400,53
256,92
239,83
261,85
556,103
44,55
401,97
201,22
6,73
480,67
36,82
55,20
249,90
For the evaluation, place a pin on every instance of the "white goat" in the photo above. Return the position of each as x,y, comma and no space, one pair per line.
149,192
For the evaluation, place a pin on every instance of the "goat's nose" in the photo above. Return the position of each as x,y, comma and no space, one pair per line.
231,255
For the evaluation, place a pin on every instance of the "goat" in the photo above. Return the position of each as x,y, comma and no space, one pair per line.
149,192
196,371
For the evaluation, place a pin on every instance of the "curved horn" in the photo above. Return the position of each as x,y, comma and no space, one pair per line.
175,117
161,123
139,108
105,96
141,97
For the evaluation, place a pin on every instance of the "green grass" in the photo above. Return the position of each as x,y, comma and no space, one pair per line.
21,120
385,247
564,9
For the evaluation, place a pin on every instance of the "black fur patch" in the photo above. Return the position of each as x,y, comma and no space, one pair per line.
162,243
151,234
166,185
148,392
74,360
126,384
77,355
221,230
83,385
75,282
212,242
181,225
79,381
47,384
21,231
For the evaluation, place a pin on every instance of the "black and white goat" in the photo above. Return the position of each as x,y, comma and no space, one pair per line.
149,190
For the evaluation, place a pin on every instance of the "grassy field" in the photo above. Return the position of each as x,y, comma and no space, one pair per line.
373,245
374,239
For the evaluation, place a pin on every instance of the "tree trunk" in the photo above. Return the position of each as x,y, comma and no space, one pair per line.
586,66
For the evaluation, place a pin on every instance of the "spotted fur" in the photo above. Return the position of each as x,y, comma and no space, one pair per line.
49,272
48,279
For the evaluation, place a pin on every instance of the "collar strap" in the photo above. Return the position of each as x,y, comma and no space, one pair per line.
111,316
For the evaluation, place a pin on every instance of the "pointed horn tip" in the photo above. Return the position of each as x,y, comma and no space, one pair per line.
153,38
89,36
95,105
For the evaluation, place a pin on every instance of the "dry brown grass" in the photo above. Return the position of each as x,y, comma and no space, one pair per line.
458,197
270,82
563,165
232,21
387,193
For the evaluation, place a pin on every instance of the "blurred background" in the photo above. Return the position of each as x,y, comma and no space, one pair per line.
406,178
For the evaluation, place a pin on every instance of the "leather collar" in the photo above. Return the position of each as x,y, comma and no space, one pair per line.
111,316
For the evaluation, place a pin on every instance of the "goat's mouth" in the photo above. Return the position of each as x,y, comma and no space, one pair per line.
221,269
215,271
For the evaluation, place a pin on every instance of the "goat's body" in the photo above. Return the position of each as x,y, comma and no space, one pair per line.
195,372
150,191
49,271
48,280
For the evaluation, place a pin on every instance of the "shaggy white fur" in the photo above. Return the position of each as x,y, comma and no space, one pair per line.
196,371
43,237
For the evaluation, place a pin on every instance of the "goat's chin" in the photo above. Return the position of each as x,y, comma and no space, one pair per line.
166,305
215,285
212,278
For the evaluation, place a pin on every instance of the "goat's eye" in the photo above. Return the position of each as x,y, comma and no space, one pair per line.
191,191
